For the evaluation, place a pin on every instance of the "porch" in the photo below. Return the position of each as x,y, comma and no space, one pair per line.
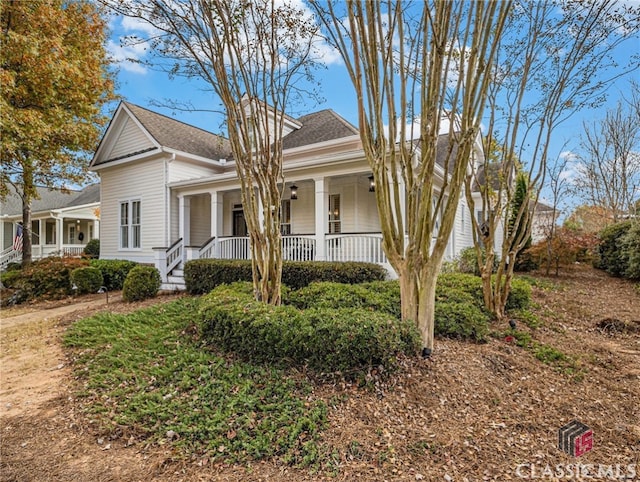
50,236
362,247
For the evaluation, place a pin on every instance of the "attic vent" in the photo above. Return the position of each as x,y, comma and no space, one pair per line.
223,161
237,206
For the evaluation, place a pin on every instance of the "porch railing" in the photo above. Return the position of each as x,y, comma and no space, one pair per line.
207,250
9,255
234,248
298,248
365,247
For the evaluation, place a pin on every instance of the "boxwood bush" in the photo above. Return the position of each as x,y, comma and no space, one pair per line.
87,279
203,275
463,321
114,271
92,249
349,340
141,283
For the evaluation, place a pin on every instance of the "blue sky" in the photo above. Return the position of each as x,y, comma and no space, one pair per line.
147,88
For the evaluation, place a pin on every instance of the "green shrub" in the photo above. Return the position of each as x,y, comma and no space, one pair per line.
631,251
611,254
203,275
13,266
86,280
114,271
51,277
462,321
519,295
460,287
141,283
467,262
11,278
326,339
92,249
298,274
380,296
459,311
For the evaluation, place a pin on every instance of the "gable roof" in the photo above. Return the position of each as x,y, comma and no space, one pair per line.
173,134
321,126
50,199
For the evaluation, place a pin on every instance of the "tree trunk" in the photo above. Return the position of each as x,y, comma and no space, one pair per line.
26,232
426,310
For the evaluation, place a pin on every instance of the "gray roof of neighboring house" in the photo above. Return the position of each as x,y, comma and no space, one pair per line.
318,127
541,207
50,199
183,137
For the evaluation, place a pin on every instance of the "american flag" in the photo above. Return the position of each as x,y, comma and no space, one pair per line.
17,241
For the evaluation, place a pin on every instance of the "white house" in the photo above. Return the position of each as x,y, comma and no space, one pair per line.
62,222
170,192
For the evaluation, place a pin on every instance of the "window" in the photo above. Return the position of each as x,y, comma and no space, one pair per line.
72,234
35,233
50,230
130,226
285,217
334,214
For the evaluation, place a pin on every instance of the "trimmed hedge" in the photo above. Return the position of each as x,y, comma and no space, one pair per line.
86,280
347,339
463,321
141,283
114,271
203,275
50,277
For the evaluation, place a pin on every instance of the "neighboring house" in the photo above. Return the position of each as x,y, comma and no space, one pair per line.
544,217
170,192
61,222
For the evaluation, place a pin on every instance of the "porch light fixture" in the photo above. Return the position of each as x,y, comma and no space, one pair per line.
294,191
372,186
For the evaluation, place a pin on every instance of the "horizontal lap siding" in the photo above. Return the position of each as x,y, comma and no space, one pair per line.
132,139
180,171
142,180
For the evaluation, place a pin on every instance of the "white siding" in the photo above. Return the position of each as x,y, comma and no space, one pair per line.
200,219
181,170
303,209
141,180
132,139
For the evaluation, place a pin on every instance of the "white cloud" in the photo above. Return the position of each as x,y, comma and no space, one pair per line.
137,26
126,56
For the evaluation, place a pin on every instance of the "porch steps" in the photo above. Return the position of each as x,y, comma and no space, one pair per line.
175,281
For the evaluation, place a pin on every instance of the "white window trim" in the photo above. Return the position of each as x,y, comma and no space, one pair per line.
129,203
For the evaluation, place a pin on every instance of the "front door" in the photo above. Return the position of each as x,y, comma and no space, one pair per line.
239,224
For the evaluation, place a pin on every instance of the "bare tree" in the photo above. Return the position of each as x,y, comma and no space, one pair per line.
554,59
559,186
253,54
609,168
420,71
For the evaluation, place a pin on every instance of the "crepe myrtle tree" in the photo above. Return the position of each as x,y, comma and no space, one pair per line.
255,55
419,70
554,59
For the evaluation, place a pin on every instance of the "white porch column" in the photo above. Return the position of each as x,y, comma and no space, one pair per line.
216,213
59,233
322,217
96,229
184,219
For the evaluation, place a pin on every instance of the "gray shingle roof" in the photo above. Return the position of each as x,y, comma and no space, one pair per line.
183,137
50,199
317,127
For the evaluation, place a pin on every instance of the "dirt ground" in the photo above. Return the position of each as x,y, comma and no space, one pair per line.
474,412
